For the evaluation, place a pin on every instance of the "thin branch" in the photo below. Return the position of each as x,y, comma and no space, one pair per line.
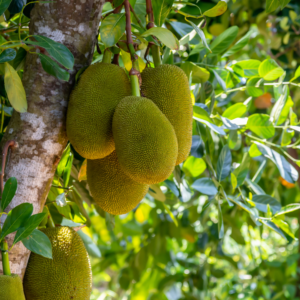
9,144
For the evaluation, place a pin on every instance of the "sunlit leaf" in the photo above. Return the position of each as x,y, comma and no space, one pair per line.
14,89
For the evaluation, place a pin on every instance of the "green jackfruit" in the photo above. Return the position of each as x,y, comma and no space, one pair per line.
11,287
91,107
146,143
168,87
67,276
111,188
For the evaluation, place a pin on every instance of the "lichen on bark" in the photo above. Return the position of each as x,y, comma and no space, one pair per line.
40,132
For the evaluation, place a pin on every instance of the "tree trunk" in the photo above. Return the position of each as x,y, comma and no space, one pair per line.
40,132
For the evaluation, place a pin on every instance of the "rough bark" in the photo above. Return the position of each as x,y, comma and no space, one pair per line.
40,132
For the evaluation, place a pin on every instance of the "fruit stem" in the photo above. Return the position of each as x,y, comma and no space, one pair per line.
154,48
50,222
107,56
156,55
5,259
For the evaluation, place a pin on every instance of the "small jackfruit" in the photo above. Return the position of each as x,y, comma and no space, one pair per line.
111,188
168,87
91,107
11,287
66,276
146,143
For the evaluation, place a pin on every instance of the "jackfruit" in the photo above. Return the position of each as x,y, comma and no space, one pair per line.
146,143
91,107
66,276
168,87
11,287
111,188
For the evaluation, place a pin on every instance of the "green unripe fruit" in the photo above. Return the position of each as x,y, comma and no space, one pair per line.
146,144
11,287
66,276
91,108
168,87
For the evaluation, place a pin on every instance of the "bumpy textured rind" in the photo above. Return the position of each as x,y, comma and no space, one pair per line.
167,86
67,276
91,107
146,143
11,287
111,188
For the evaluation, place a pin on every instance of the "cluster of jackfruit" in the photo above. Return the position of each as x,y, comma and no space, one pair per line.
130,142
66,276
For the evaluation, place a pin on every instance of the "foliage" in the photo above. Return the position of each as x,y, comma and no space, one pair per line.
223,226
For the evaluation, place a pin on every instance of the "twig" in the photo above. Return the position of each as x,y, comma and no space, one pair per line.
9,144
149,11
137,18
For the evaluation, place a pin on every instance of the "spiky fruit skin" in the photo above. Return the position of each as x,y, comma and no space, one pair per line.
168,87
111,188
91,107
67,276
11,287
146,143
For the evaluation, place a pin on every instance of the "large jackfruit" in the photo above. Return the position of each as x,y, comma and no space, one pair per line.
111,188
146,143
91,107
66,276
168,87
11,287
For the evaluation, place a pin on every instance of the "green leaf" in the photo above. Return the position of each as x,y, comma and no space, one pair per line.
195,166
233,181
164,35
4,4
297,74
287,171
171,214
261,125
271,5
273,227
68,168
241,43
200,33
224,164
199,75
217,10
92,249
284,3
286,110
112,28
7,55
63,161
205,186
16,6
247,68
14,89
9,192
57,50
224,40
220,81
284,226
32,223
255,86
279,105
16,218
39,243
52,68
235,111
242,170
157,193
220,222
270,70
161,9
261,202
287,209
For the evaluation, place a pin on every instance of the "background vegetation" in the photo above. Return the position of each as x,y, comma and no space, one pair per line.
225,225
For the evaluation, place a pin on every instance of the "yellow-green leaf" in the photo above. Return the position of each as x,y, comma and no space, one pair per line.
14,89
217,10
